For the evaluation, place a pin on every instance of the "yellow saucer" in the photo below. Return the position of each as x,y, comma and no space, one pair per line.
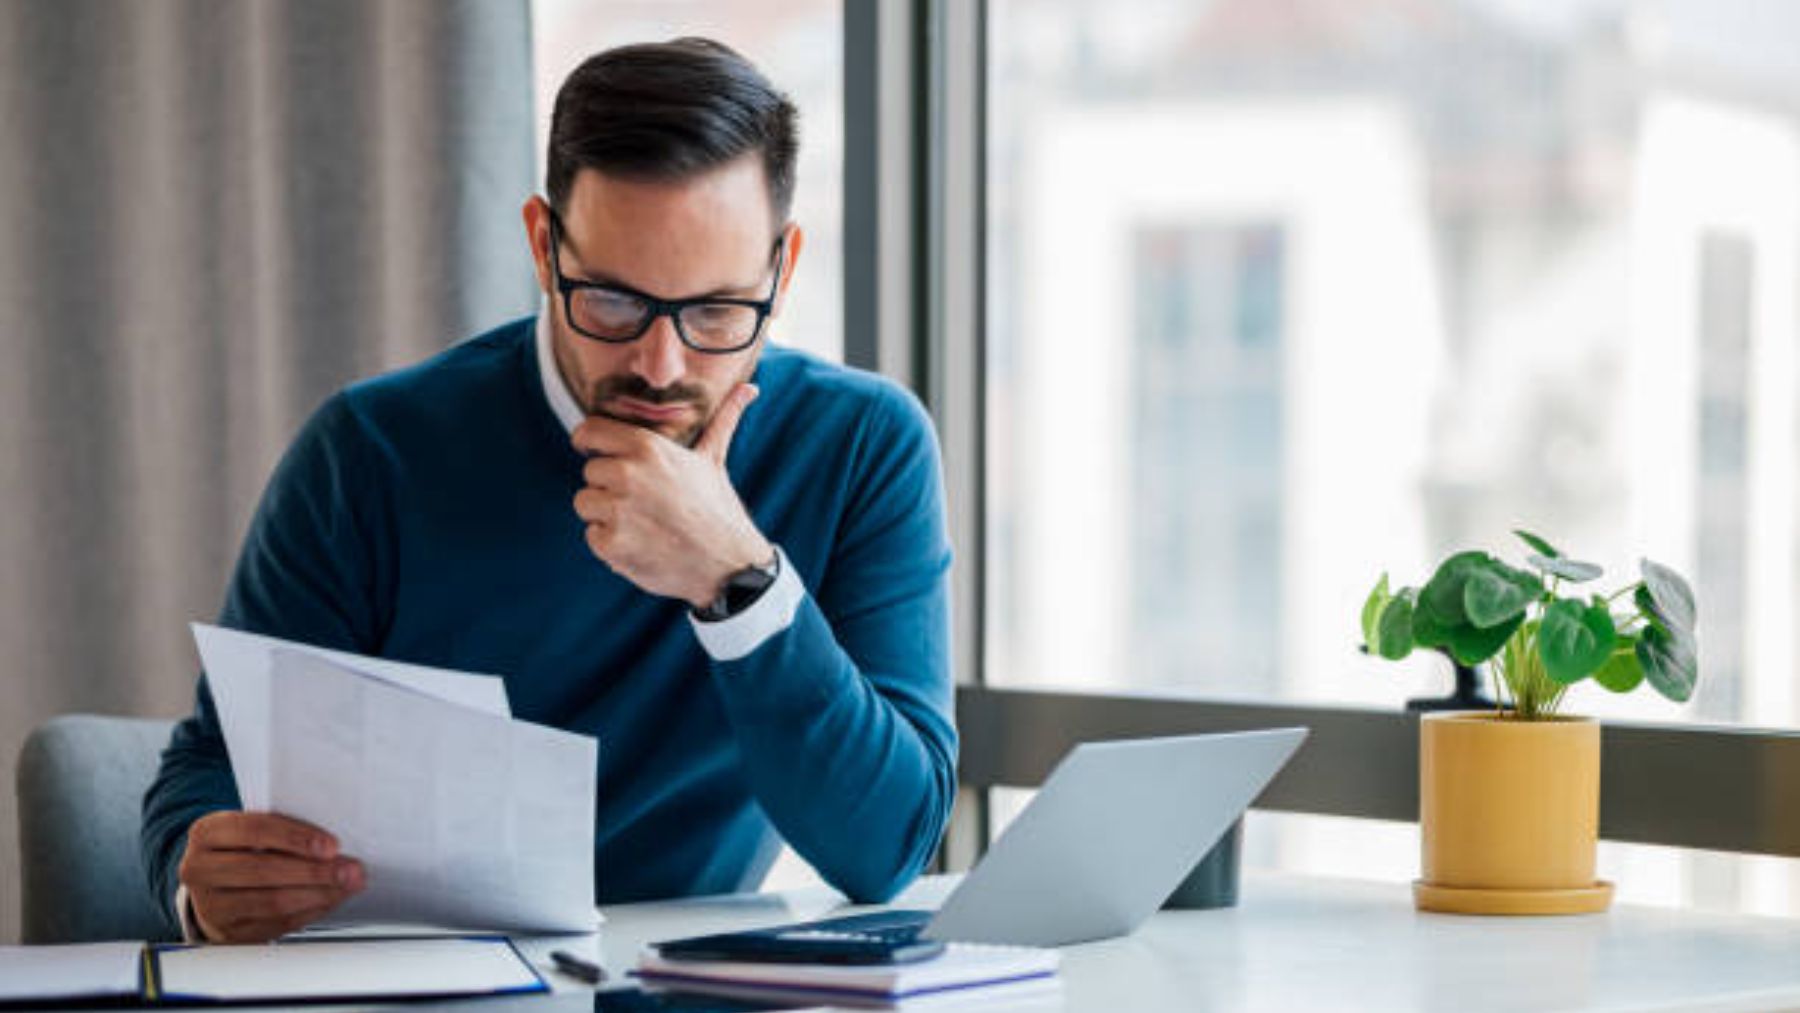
1477,901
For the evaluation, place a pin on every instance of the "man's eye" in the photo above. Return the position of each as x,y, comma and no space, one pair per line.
611,305
714,314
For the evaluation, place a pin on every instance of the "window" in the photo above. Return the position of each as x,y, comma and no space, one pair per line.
1285,296
1281,296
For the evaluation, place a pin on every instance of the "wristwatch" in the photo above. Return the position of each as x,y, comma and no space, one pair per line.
740,591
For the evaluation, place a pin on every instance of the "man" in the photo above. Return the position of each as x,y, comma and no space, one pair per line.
746,605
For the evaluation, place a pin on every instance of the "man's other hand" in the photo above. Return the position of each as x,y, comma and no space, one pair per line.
254,876
663,516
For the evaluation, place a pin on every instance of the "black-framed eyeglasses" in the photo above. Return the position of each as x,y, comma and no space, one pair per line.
616,314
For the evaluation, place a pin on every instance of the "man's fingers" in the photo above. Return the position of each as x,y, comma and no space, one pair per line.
267,930
607,473
255,913
600,543
260,832
238,869
595,506
272,918
598,434
716,441
283,902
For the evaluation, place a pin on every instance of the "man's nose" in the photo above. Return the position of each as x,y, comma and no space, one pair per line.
661,358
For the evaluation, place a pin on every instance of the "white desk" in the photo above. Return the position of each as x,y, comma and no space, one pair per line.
1295,943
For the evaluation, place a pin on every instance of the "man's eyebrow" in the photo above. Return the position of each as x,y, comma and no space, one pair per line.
602,278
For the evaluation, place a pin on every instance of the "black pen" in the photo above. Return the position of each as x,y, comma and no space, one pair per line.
575,967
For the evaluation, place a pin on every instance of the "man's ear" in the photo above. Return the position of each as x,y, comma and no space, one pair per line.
537,236
795,238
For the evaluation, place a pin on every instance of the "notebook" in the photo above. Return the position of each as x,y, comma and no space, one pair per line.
962,967
300,970
84,972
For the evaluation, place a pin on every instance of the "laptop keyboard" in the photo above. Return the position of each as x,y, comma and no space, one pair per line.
882,926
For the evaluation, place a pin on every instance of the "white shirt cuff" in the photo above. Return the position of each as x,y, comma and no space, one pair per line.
184,913
734,638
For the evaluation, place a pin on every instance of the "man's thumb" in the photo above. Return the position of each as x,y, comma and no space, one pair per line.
716,441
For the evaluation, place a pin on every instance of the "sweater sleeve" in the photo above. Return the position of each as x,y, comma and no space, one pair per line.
305,573
845,718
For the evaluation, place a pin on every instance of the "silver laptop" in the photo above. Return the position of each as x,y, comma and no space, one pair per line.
1113,831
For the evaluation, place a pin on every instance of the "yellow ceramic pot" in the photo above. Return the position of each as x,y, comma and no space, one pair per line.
1509,812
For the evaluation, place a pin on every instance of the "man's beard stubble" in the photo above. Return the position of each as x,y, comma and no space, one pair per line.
635,387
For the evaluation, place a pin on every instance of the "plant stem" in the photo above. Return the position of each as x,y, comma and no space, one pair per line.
1535,695
1622,592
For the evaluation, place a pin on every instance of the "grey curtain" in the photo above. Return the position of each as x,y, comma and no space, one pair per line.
212,214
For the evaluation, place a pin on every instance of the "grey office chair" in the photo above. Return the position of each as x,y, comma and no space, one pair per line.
81,781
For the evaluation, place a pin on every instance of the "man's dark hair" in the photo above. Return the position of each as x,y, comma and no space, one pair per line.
667,111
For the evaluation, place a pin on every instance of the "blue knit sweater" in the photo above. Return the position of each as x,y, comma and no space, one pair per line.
426,516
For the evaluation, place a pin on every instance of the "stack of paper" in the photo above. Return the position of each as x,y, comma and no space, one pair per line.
461,815
964,971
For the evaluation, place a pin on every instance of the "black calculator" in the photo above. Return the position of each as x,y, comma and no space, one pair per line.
884,937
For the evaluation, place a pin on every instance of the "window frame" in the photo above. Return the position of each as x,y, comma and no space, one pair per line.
915,82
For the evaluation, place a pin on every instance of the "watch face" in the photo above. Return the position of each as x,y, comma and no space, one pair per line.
751,578
741,590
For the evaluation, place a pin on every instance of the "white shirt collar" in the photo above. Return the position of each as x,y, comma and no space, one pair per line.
556,390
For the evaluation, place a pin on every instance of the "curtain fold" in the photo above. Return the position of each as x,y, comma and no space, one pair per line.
213,214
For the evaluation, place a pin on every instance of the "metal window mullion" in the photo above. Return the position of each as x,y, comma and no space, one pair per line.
956,351
911,288
883,189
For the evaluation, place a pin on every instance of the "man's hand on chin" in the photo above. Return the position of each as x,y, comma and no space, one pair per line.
663,516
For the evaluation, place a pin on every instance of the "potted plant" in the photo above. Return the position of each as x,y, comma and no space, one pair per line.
1509,799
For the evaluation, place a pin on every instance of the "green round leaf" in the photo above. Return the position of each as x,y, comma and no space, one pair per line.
1443,594
1669,663
1647,605
1495,592
1372,608
1622,671
1575,639
1393,629
1472,645
1573,570
1427,631
1672,597
1537,543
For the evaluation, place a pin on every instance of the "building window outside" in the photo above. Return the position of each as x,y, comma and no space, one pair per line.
1205,488
1285,295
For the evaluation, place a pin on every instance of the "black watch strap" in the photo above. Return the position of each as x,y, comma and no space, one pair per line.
740,591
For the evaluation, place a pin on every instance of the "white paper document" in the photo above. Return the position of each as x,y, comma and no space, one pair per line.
237,668
80,971
461,815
